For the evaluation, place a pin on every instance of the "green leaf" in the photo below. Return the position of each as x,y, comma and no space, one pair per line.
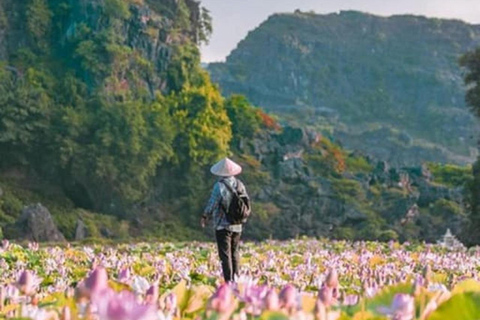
198,298
465,306
469,285
182,293
383,298
273,315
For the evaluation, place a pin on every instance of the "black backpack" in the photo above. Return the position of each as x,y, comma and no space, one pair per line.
239,210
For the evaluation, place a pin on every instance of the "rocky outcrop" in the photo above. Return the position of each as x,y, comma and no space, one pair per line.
148,27
81,231
36,224
390,87
321,205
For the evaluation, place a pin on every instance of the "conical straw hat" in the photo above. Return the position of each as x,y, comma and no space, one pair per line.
225,168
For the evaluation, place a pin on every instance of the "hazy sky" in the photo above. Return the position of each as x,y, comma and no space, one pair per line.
232,19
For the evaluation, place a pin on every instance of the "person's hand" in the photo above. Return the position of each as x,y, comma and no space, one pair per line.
203,221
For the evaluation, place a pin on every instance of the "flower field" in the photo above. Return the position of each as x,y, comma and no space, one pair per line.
297,279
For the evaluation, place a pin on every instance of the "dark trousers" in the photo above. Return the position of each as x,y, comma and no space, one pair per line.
227,243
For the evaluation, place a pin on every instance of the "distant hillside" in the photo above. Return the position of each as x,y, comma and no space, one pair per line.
390,87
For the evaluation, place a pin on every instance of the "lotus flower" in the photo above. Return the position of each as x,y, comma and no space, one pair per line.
66,314
5,244
36,313
332,279
151,296
140,285
223,300
350,300
94,284
402,308
271,300
123,306
171,304
289,298
28,282
124,275
326,296
322,313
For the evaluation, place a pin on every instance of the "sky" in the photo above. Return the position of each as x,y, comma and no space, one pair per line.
233,19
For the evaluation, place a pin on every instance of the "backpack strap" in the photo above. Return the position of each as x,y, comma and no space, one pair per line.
229,187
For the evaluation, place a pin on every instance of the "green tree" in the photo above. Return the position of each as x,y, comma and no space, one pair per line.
114,148
246,120
204,127
25,112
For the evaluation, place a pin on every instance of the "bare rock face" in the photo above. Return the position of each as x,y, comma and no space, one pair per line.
81,231
36,224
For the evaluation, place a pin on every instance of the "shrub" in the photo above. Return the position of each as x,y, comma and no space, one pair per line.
388,235
451,175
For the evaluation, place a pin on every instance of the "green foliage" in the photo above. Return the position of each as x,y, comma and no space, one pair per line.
345,188
116,147
450,175
25,110
184,68
444,207
3,18
206,28
117,9
94,114
38,18
388,235
245,119
357,164
464,306
471,61
204,130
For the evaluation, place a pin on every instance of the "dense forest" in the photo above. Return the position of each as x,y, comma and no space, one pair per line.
108,120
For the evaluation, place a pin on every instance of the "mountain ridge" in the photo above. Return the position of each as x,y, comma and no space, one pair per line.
356,70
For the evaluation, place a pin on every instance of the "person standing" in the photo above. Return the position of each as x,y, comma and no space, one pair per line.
228,208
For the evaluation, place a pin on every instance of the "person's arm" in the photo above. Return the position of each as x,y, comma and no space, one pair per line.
212,204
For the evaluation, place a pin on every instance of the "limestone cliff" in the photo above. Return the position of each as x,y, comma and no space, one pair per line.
391,87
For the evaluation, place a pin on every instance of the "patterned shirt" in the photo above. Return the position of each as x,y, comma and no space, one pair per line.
221,195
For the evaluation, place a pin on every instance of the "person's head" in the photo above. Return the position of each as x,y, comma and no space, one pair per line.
226,168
